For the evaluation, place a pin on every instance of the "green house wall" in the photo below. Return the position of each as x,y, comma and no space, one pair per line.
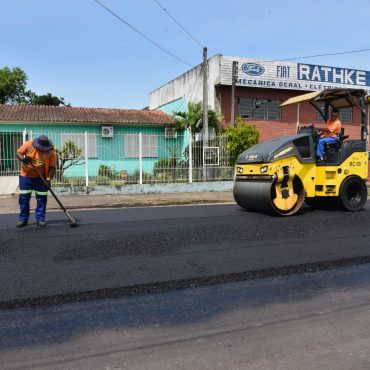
178,105
110,151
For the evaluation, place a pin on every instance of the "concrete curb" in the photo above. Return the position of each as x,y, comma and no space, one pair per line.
9,204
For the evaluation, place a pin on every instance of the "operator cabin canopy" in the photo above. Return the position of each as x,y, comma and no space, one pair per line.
337,98
332,96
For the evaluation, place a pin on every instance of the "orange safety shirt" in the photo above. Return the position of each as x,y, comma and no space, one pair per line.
334,126
42,160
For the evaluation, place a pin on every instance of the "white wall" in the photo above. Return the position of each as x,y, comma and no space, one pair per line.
189,86
8,184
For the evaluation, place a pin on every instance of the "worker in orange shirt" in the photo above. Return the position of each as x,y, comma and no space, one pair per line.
41,153
329,134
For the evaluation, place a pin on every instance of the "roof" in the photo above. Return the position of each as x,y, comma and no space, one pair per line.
44,113
338,98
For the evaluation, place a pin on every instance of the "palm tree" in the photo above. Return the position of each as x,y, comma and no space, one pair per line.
193,118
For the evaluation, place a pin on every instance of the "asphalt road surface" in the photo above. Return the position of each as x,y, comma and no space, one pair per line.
301,321
120,251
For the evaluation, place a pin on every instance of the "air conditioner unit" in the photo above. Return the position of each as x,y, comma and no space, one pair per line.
170,133
107,131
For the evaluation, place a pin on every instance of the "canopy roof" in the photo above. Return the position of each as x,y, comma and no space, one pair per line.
338,98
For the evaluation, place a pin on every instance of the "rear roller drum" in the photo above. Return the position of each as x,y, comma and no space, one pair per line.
353,194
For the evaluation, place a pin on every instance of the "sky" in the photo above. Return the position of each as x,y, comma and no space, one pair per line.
75,49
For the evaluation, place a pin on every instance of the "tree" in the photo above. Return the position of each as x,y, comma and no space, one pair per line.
13,83
68,156
12,86
193,118
240,138
47,99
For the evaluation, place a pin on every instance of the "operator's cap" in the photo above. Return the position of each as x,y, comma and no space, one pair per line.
42,143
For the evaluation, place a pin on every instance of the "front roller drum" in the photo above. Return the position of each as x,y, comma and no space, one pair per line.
269,196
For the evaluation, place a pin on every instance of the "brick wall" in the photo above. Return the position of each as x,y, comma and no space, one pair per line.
287,125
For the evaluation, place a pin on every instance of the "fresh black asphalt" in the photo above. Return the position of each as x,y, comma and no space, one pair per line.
122,251
306,321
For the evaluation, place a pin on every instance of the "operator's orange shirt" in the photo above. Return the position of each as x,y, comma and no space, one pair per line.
42,160
334,126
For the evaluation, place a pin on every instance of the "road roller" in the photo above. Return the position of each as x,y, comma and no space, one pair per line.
279,175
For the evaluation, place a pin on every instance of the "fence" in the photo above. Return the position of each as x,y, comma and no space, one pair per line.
90,159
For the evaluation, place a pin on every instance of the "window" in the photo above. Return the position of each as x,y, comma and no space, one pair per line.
149,143
9,143
302,144
345,114
265,109
79,140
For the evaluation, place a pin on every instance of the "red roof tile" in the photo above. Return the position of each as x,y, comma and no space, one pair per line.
44,113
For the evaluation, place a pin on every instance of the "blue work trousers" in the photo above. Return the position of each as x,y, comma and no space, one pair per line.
321,142
26,186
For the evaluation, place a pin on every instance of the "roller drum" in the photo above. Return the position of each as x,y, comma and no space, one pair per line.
254,195
267,196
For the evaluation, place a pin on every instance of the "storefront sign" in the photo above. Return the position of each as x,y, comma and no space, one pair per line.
293,76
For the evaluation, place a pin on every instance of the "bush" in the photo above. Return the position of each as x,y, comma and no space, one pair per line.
240,138
168,165
103,180
106,171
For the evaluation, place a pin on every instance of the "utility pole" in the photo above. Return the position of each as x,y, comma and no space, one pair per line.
205,111
233,81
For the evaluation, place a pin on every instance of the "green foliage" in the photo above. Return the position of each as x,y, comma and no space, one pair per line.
240,138
47,99
68,156
165,163
106,171
172,161
197,153
103,180
12,85
193,118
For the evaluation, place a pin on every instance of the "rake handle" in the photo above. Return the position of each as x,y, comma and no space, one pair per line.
48,186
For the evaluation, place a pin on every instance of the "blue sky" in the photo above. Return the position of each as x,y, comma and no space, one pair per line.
77,50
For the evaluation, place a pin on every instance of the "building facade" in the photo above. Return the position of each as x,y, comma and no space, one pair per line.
95,143
261,86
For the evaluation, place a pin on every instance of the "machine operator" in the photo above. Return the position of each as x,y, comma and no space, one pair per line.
329,134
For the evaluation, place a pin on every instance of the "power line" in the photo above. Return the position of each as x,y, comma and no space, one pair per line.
187,32
320,55
143,35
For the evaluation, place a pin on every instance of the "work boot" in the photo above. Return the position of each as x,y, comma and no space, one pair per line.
22,223
41,223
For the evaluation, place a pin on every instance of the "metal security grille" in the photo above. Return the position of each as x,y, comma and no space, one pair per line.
79,140
265,109
132,145
9,143
122,159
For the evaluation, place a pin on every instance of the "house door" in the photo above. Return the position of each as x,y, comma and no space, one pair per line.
9,143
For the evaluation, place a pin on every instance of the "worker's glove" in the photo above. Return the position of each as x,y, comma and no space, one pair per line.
48,183
26,160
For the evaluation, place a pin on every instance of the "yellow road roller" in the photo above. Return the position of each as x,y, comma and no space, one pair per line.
279,175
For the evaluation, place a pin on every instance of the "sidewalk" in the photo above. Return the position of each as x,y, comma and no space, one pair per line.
9,204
